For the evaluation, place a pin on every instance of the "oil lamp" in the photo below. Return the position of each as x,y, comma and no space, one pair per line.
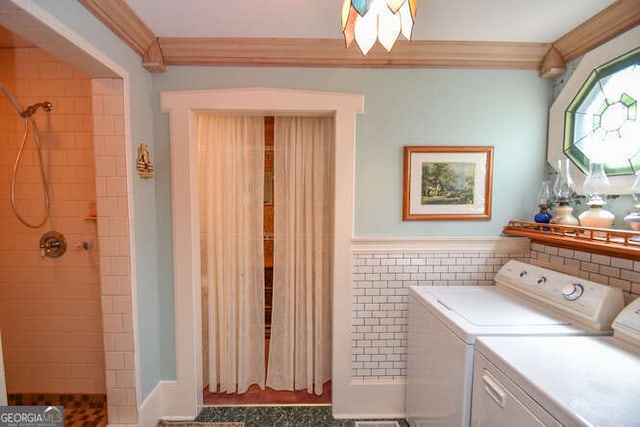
595,189
633,219
544,196
563,191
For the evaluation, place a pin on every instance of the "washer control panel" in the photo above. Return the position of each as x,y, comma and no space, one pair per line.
590,302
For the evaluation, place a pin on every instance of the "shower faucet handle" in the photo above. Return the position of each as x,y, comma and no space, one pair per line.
52,244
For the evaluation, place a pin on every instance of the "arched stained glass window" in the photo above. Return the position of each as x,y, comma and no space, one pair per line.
602,123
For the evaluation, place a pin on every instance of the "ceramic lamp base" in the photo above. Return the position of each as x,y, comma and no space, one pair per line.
596,217
633,221
563,216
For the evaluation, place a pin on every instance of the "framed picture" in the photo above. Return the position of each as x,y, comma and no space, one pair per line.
447,183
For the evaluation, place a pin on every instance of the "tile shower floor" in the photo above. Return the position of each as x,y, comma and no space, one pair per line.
79,410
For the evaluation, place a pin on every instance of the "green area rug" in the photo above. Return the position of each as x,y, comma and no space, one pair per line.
198,424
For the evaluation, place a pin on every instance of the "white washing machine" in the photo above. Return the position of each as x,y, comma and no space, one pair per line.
560,381
444,323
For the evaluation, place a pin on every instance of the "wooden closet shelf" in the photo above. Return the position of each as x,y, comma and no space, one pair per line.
603,241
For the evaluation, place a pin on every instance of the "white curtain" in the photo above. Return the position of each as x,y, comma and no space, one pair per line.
300,347
231,200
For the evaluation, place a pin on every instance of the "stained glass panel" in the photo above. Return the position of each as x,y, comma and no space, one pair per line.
602,123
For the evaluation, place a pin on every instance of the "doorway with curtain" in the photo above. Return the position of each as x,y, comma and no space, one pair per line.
266,194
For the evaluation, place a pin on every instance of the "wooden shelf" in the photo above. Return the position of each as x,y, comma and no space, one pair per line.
611,242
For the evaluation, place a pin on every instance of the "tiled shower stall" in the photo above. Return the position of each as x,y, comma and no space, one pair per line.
49,307
66,322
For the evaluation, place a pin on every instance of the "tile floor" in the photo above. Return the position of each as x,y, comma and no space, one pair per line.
96,417
278,416
257,397
79,410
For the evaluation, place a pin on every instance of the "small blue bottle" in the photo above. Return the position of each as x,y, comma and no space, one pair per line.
544,195
543,217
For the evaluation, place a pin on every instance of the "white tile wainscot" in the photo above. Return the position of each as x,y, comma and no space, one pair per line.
608,270
383,270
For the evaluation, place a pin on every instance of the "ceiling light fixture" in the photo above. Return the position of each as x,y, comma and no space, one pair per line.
366,21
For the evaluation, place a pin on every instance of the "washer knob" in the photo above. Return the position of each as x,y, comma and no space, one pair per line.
572,291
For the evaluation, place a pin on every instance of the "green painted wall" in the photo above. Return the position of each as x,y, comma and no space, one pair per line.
505,109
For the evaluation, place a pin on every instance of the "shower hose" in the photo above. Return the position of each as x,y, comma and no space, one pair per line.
45,187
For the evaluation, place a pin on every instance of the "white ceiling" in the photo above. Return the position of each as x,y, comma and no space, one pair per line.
473,20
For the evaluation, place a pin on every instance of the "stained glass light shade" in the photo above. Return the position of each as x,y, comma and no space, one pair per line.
602,123
366,21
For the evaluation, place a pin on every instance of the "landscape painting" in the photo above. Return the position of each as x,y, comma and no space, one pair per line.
447,183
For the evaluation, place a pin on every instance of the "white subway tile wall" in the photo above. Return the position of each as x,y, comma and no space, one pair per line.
115,253
617,272
65,322
380,286
49,308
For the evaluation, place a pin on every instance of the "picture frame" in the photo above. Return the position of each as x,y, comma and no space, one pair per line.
443,183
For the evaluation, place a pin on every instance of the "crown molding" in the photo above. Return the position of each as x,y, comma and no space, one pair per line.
127,25
305,52
548,58
611,22
553,64
153,60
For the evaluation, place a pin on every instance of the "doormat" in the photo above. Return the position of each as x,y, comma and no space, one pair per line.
198,424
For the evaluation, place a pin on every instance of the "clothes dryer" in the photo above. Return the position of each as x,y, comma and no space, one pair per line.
553,381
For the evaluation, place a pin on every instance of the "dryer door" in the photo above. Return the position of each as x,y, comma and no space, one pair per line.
498,402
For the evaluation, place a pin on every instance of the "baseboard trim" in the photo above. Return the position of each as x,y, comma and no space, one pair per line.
151,410
362,400
371,400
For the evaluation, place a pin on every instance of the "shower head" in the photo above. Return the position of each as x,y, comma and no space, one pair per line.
31,109
11,98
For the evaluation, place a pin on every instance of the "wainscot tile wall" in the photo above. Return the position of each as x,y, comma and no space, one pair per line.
380,287
618,272
381,280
